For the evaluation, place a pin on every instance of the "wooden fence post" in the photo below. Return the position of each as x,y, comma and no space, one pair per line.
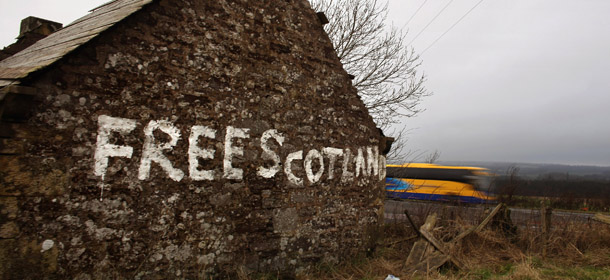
545,221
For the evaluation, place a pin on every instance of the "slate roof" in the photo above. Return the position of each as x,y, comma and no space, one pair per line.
58,44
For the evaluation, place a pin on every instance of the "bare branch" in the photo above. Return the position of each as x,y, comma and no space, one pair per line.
377,55
433,157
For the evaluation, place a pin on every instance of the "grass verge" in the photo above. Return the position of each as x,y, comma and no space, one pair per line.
572,250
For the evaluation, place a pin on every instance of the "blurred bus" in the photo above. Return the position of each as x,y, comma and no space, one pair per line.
424,181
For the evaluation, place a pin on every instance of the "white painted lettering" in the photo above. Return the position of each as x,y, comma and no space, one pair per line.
196,153
288,168
347,175
231,172
382,170
153,151
311,155
372,160
360,164
268,154
332,154
103,149
365,163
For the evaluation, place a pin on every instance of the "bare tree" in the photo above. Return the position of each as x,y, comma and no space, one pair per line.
377,55
399,154
433,157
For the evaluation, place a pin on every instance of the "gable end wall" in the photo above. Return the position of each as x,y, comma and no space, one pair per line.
193,137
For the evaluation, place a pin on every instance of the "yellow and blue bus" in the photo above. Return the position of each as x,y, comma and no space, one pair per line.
424,181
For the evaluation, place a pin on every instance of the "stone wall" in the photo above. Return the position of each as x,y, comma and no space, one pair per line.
193,137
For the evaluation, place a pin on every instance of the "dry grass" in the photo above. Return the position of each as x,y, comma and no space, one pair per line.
569,250
572,250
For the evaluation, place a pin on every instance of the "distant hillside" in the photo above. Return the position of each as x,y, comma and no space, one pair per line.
542,171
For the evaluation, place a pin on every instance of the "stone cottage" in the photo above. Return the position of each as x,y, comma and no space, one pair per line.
183,138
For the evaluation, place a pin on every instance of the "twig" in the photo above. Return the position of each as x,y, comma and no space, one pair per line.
412,223
576,249
402,240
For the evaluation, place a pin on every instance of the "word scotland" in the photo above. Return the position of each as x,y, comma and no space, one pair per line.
362,163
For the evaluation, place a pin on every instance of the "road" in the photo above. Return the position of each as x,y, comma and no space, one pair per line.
394,212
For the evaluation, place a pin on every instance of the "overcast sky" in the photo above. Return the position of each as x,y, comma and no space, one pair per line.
514,81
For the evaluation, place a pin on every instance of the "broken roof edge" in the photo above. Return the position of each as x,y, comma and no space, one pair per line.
5,83
49,50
